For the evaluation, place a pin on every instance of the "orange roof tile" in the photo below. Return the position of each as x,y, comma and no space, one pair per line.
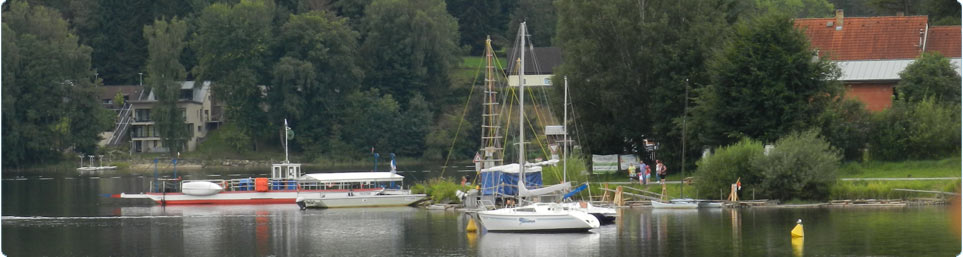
944,39
866,38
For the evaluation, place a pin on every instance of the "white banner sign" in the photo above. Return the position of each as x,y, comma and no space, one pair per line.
605,163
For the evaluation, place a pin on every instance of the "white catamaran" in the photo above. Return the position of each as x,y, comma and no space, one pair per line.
538,217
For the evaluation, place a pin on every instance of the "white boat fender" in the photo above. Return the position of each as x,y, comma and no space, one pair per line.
300,202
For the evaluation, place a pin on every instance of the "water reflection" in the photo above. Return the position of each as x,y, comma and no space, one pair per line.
528,244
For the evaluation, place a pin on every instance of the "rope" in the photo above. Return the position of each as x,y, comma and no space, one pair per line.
460,121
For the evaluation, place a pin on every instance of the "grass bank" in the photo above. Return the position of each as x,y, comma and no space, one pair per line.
949,167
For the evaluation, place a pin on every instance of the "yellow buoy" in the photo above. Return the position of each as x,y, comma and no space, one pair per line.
798,230
471,226
797,246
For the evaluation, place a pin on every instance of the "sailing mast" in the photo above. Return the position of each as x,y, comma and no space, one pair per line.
521,106
565,133
490,140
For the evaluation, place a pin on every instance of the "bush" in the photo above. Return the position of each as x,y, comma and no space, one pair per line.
846,125
717,171
916,131
800,166
577,171
441,190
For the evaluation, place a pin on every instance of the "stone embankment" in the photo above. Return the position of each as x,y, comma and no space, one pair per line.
196,165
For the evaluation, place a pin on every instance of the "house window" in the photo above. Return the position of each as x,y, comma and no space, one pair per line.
548,81
142,115
108,101
198,128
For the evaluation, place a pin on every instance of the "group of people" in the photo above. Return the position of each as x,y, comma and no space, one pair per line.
645,171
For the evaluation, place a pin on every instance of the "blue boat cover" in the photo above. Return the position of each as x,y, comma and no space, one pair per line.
506,183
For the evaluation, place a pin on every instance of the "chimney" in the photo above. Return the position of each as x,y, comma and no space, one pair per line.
839,19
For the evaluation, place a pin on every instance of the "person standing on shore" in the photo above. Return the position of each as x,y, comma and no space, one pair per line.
661,170
643,173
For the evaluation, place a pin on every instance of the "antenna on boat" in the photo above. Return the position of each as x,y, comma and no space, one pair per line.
287,132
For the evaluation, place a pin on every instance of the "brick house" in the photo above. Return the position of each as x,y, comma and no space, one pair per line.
871,51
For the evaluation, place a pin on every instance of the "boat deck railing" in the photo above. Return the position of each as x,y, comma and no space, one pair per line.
274,184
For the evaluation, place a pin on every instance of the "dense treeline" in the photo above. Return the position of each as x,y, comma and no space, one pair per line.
350,75
748,74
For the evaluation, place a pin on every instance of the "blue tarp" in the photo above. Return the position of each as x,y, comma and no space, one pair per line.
507,182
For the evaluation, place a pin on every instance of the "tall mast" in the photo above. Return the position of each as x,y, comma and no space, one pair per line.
490,141
565,134
521,104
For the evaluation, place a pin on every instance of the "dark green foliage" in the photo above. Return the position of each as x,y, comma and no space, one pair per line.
916,131
930,76
370,121
166,41
120,50
233,43
726,165
49,102
800,166
479,19
627,63
766,84
540,16
794,8
847,126
318,70
409,47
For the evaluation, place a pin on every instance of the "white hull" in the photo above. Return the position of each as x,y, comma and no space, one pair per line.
675,205
537,218
344,201
605,215
238,197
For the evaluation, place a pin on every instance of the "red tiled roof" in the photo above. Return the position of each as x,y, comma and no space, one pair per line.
866,38
944,39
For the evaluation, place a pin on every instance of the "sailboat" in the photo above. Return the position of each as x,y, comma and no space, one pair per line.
537,217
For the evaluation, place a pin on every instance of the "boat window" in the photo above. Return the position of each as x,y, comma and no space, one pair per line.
525,209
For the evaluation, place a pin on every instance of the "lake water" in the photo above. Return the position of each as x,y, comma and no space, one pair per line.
69,216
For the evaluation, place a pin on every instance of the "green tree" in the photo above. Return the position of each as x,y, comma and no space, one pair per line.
795,8
478,19
627,63
119,46
368,122
50,103
409,47
915,131
727,165
233,44
800,166
540,17
930,76
319,69
847,125
166,41
767,82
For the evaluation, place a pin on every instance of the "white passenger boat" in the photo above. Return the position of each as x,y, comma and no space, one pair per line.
283,187
390,193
